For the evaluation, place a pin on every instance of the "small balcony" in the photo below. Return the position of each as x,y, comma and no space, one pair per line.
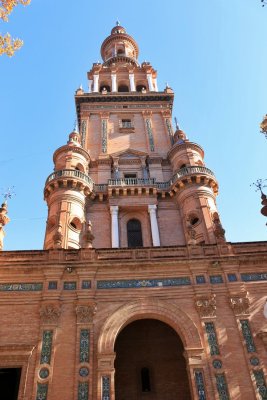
74,174
132,182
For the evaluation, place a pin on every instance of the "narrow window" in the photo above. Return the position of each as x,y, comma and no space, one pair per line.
134,233
145,379
126,123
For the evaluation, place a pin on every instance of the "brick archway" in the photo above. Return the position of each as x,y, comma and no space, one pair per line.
149,308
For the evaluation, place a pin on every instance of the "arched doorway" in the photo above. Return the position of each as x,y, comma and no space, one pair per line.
149,363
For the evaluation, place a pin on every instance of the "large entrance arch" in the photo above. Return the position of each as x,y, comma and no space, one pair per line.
146,308
150,363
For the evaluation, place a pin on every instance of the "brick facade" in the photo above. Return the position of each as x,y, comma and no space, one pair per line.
85,316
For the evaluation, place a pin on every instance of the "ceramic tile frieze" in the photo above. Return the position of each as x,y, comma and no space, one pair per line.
21,287
83,390
46,347
252,277
104,135
199,380
169,129
260,383
83,132
105,388
212,338
84,345
42,390
222,387
142,283
150,134
247,335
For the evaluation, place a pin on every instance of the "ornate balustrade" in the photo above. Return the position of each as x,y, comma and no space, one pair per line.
132,182
70,173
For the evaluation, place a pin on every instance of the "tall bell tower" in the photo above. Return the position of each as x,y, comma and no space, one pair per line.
127,179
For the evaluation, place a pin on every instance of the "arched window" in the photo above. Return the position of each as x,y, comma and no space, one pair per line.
140,88
134,233
104,86
123,88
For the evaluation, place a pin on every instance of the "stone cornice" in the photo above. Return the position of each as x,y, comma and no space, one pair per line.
185,146
73,149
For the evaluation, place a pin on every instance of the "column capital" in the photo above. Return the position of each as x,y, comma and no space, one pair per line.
114,209
152,208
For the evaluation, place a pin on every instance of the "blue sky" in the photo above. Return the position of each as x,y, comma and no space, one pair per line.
211,52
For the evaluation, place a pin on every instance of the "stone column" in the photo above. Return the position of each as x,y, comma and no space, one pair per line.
154,225
96,79
90,81
156,84
150,82
132,84
114,82
114,226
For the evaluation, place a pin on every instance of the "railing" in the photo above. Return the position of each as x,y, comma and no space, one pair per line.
132,182
184,172
73,173
102,187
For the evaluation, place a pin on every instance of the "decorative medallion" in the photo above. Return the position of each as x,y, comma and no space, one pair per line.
254,361
44,373
84,371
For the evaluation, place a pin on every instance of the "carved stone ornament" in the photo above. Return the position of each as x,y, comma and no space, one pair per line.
85,313
240,304
206,306
191,233
218,229
50,314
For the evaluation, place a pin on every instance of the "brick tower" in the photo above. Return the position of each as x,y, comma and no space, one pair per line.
127,173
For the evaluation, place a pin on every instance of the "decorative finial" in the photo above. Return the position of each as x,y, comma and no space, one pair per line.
176,124
81,87
8,193
118,22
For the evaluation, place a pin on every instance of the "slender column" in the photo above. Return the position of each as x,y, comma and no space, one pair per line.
114,226
114,82
156,84
154,225
150,82
90,81
132,84
96,79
